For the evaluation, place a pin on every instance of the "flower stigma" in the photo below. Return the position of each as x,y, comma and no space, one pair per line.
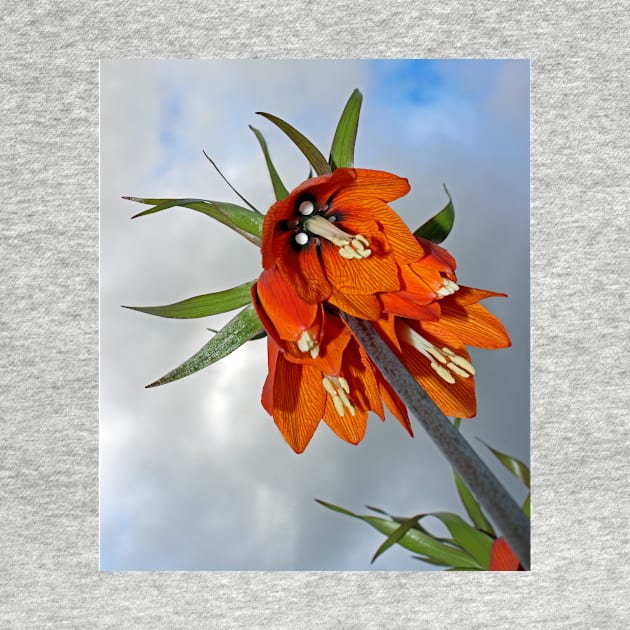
444,362
338,388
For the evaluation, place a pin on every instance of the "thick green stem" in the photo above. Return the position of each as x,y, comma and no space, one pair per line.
499,505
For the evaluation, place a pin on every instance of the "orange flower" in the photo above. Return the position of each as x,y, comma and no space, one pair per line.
502,558
334,245
434,350
335,239
317,369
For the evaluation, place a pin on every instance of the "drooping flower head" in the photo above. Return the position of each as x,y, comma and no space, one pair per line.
332,247
317,368
335,239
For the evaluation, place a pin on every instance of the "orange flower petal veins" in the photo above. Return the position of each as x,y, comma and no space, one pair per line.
367,275
298,402
363,306
334,243
474,325
290,314
502,558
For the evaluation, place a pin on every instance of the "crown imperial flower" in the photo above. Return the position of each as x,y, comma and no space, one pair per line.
334,247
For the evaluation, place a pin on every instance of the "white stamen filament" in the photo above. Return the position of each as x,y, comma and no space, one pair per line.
350,246
444,362
339,389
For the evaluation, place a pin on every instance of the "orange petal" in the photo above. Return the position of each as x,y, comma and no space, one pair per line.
364,275
423,280
298,399
323,187
456,399
363,306
267,393
385,326
393,402
468,295
290,315
474,325
348,427
355,210
304,273
379,184
334,338
502,558
437,257
404,304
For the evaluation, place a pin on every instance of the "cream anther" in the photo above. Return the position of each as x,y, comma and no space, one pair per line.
339,389
306,343
448,288
444,362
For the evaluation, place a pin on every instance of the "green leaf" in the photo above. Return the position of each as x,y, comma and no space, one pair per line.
413,540
438,227
342,149
202,305
225,179
476,543
396,535
279,189
527,506
234,334
310,151
515,466
242,220
473,509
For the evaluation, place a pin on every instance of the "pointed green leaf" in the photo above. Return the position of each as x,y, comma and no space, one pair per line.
476,543
202,305
414,540
279,189
438,227
396,535
527,506
342,149
515,466
473,509
225,179
235,333
310,151
242,220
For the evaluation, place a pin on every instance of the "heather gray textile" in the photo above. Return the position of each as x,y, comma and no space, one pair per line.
49,333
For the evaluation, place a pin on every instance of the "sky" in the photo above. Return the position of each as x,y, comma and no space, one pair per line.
194,475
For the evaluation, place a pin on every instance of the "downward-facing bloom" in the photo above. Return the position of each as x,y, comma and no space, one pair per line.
430,339
335,239
332,247
317,369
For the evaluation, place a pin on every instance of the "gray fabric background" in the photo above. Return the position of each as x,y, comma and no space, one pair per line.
49,331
